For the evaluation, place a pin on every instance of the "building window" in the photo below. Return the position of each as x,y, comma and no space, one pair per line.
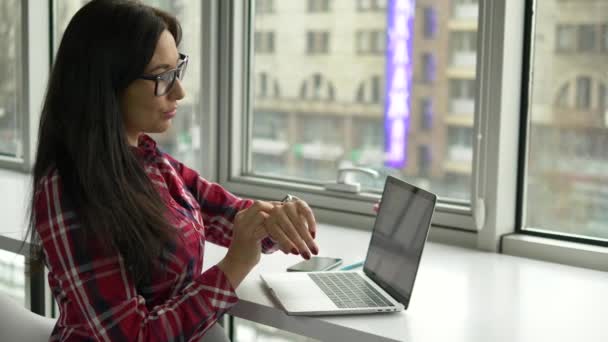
563,96
264,42
317,88
583,93
11,97
603,103
318,6
426,114
317,42
463,48
586,38
424,160
430,22
566,38
370,91
429,67
605,38
264,7
371,5
371,42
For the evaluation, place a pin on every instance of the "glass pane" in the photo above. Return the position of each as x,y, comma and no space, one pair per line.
12,275
247,331
182,140
11,123
566,179
366,83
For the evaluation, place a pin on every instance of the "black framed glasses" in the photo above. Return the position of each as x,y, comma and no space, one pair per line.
164,81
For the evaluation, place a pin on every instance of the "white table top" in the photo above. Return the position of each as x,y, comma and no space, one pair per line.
459,295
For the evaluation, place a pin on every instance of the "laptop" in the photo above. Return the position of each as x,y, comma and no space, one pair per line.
387,280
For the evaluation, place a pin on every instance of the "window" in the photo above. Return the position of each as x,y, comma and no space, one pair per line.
371,42
317,42
371,5
583,92
603,103
264,42
430,22
426,114
318,6
463,48
264,7
462,96
333,96
424,161
430,66
567,154
12,275
11,97
183,139
465,9
604,38
586,38
566,38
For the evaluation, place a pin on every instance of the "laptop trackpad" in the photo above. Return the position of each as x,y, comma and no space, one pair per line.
298,293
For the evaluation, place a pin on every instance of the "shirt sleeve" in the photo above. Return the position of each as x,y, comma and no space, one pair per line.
218,207
94,289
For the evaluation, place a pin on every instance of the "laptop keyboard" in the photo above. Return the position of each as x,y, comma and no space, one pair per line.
349,290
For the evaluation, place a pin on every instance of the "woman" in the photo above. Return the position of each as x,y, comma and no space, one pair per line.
123,225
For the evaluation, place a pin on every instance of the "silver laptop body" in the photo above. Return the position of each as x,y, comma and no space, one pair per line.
389,272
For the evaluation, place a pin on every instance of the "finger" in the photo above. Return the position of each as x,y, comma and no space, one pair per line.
292,233
259,233
247,215
305,210
262,206
299,223
277,234
252,219
280,246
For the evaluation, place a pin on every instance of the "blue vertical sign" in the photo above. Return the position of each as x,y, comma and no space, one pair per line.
399,55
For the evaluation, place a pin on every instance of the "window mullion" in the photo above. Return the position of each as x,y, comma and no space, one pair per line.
499,72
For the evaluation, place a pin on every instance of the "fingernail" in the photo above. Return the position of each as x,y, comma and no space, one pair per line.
314,251
313,234
294,251
306,255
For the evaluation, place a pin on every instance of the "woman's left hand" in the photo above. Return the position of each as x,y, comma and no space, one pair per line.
293,225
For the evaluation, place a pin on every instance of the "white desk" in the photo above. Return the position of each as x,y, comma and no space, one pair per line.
460,295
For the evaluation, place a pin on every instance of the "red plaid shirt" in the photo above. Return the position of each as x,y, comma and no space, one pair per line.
97,299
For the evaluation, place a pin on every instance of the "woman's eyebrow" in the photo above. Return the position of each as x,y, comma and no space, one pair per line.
160,67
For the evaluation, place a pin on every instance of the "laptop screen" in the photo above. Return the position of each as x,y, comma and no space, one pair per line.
400,231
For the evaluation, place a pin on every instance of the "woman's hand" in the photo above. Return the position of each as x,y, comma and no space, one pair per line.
293,225
247,232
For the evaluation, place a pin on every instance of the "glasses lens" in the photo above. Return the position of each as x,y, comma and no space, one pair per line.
164,83
182,70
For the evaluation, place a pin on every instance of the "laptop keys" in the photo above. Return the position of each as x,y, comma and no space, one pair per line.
349,290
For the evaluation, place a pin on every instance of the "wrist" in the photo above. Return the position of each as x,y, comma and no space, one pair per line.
235,270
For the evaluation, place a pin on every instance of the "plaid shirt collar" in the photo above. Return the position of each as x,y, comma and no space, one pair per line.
146,147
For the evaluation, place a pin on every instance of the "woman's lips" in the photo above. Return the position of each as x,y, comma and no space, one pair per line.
170,114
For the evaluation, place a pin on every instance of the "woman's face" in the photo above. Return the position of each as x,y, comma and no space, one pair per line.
142,110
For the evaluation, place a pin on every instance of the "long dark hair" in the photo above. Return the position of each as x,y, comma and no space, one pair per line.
106,46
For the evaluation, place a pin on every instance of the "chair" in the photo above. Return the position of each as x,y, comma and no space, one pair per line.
19,324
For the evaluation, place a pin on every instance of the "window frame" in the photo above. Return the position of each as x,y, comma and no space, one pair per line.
34,45
339,208
548,245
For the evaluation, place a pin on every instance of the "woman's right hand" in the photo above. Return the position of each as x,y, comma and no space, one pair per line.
247,233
